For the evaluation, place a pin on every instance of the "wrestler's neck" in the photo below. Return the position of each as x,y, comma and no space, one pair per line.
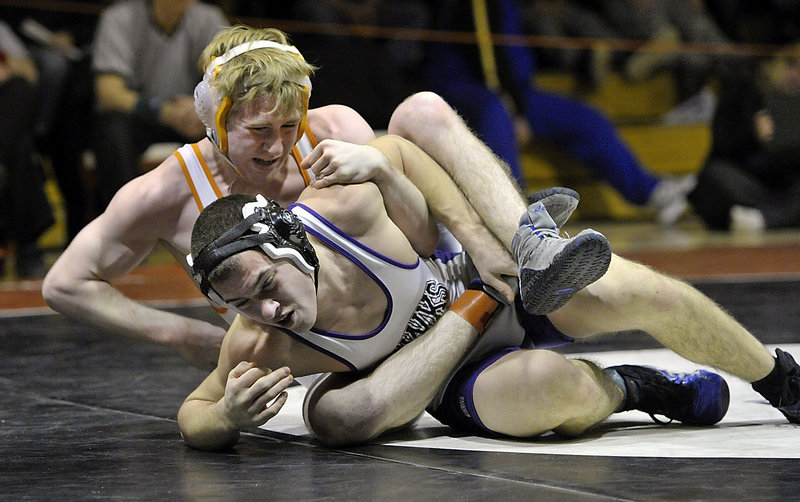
282,184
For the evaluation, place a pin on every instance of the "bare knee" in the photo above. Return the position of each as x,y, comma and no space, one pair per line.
598,394
420,108
343,426
530,393
339,414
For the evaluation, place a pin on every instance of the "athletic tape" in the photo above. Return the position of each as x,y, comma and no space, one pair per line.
475,307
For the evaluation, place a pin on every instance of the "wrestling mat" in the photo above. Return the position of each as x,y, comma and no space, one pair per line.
751,428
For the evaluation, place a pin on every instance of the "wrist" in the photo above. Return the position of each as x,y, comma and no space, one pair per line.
148,108
224,420
382,169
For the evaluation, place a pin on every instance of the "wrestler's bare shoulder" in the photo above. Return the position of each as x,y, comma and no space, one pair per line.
158,203
268,347
364,205
241,341
163,188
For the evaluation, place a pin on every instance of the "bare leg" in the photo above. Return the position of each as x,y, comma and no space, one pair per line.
529,392
632,296
552,269
349,408
629,296
428,121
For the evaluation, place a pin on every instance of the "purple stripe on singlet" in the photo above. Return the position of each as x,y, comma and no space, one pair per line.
360,265
351,240
320,349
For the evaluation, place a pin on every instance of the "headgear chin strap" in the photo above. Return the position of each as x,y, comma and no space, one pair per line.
213,109
267,226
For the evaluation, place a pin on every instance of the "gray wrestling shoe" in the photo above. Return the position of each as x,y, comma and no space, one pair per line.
560,203
553,269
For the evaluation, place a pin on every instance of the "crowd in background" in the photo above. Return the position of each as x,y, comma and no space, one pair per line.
72,105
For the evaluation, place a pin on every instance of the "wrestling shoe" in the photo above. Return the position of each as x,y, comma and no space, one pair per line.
553,269
560,203
782,387
697,398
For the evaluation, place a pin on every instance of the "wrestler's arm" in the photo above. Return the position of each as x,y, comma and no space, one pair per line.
339,162
346,409
237,395
79,284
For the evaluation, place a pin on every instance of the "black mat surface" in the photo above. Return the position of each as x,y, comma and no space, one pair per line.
84,416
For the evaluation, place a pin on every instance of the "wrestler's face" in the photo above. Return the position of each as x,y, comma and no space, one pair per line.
273,292
260,142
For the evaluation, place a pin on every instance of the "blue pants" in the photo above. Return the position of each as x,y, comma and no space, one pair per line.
574,127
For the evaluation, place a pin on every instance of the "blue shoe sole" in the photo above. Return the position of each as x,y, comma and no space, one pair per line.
580,263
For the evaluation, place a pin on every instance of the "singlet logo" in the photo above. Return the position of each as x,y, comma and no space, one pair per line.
430,308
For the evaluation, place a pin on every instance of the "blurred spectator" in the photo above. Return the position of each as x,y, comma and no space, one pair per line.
60,43
661,22
571,18
26,213
751,178
455,71
144,62
758,21
372,75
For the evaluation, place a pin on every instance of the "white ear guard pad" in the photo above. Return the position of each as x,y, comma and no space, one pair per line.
287,234
205,104
208,105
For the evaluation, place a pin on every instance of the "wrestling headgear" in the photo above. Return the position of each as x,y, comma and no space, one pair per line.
267,226
213,109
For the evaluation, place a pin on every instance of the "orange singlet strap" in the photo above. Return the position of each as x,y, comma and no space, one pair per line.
211,181
308,141
303,172
189,180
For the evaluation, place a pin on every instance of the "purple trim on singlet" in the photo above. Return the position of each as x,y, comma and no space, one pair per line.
457,408
320,349
357,262
539,331
446,256
350,239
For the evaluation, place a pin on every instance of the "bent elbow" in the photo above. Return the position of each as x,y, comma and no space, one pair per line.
352,425
54,291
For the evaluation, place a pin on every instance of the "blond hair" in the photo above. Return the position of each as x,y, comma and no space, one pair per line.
257,74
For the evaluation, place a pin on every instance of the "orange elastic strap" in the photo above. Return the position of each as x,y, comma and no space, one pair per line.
475,307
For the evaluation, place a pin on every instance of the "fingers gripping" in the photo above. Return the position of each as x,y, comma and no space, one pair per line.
253,395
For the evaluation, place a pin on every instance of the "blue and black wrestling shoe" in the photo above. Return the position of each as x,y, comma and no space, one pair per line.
697,398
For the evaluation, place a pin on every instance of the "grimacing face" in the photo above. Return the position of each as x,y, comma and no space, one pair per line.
273,292
260,142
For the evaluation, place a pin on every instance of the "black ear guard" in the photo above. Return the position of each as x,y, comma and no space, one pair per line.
266,225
